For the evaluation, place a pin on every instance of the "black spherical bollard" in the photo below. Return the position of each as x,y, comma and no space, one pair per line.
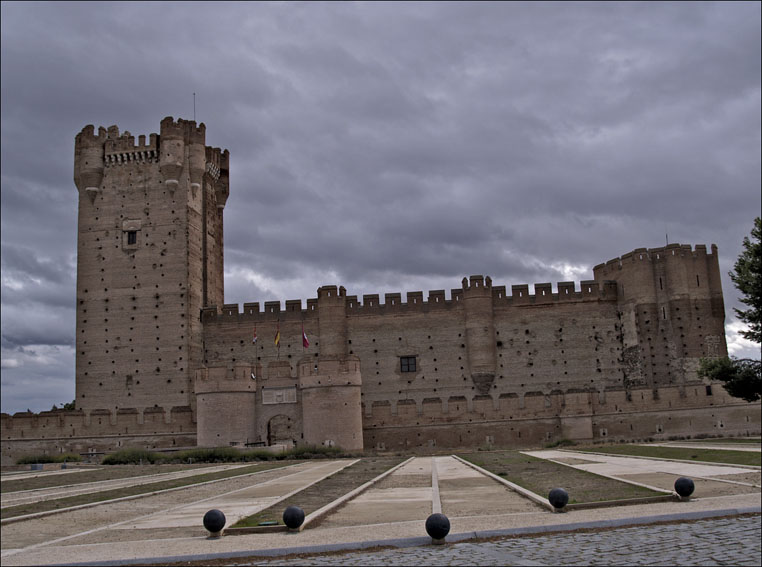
214,521
293,517
558,498
437,526
684,487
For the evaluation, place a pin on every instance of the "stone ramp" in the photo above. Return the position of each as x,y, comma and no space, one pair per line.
18,498
709,479
404,495
464,491
748,447
243,502
23,475
426,485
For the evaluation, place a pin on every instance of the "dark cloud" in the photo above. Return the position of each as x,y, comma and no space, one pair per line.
387,147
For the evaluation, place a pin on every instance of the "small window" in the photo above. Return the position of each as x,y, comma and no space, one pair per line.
132,237
407,363
708,390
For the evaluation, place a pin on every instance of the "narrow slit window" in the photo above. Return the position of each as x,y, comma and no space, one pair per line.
132,237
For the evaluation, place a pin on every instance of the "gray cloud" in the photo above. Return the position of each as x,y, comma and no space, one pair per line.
385,146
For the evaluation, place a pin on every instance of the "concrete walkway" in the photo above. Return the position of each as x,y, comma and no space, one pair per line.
393,512
243,502
658,474
8,499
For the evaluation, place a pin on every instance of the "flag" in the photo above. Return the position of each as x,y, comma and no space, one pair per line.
305,341
277,337
254,339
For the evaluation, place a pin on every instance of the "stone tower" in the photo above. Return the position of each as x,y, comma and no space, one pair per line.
331,387
149,258
672,313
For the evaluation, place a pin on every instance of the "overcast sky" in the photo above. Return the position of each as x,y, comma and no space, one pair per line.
384,147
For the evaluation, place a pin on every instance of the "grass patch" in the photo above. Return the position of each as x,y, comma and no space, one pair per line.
48,505
681,454
741,440
91,473
541,476
38,459
326,491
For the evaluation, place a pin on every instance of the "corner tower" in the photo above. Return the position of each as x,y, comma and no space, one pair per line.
672,313
149,258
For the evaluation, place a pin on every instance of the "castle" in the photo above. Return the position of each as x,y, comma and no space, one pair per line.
161,361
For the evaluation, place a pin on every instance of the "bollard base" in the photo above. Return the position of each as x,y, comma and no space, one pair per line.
215,535
560,510
438,541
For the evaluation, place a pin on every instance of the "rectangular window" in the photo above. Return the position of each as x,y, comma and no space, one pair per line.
407,363
708,390
132,237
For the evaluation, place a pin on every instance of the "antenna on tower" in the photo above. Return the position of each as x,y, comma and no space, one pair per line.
194,107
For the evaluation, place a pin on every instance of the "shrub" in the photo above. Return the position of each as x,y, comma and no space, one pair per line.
61,458
315,452
133,457
560,443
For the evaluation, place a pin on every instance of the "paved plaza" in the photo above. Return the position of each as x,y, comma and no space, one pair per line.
724,541
491,524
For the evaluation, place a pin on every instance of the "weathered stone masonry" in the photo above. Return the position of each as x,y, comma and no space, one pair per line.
159,364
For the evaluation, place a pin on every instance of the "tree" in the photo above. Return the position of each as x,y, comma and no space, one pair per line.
743,377
747,277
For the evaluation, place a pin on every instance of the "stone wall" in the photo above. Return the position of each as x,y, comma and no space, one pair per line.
95,432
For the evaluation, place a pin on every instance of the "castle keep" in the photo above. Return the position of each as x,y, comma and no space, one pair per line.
162,361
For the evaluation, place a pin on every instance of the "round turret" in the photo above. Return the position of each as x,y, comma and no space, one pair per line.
197,154
172,151
88,160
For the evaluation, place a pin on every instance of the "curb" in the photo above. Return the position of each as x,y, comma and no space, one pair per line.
683,461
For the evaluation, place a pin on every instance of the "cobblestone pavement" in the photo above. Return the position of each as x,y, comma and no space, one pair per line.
723,541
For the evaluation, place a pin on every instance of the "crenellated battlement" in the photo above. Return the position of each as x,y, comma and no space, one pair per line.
589,290
185,130
87,137
660,254
122,149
